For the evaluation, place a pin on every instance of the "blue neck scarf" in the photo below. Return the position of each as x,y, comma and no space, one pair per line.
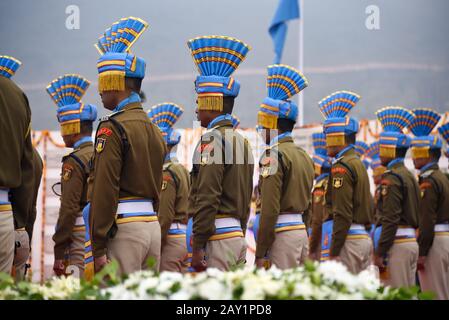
395,161
342,152
427,166
321,177
170,156
279,137
133,98
222,117
81,141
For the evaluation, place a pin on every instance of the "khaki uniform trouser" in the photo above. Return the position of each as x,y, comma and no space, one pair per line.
226,253
133,244
6,241
402,263
356,254
75,255
21,253
435,276
289,249
173,254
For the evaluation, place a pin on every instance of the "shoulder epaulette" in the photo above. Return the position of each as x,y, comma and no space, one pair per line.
166,166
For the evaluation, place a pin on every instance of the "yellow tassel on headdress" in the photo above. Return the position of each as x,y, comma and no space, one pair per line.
420,152
335,139
111,81
266,120
70,127
387,151
317,169
210,103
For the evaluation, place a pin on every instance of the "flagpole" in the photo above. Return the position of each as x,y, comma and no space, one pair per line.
301,59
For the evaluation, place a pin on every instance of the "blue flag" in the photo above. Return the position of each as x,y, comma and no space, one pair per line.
287,10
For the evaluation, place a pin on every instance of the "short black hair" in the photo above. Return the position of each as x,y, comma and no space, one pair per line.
86,127
228,104
350,138
133,84
285,125
401,152
435,154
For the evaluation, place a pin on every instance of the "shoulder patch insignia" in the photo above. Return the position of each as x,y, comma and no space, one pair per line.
164,184
338,170
385,182
384,190
105,131
337,182
66,172
204,159
265,171
99,147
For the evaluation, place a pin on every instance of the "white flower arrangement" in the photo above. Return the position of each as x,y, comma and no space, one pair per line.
328,280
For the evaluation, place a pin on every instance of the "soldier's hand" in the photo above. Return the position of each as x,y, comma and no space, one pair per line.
421,263
198,261
379,262
100,262
59,267
263,263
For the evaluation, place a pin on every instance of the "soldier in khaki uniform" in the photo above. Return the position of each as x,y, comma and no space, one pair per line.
286,175
399,201
433,239
126,174
75,119
16,162
319,212
24,207
348,193
172,213
222,162
378,171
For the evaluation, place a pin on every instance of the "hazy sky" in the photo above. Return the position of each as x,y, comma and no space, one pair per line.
406,62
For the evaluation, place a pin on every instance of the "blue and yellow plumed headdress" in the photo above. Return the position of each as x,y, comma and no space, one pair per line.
165,115
66,92
320,158
235,121
335,108
421,126
283,82
116,61
361,148
444,131
216,57
8,66
393,121
373,154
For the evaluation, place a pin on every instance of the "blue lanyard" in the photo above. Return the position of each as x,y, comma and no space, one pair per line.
81,141
321,177
279,137
222,117
342,152
170,156
395,161
427,166
134,97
